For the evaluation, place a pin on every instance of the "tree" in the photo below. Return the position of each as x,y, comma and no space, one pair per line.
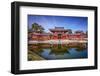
69,31
79,32
37,28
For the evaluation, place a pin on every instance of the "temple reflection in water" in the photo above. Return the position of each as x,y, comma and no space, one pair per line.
45,51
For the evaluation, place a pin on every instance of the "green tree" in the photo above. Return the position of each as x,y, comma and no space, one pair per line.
69,31
37,28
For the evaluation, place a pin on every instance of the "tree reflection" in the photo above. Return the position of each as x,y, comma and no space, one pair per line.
59,49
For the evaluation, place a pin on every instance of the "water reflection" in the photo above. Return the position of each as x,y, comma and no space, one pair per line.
57,51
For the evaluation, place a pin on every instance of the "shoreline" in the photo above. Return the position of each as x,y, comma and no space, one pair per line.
57,41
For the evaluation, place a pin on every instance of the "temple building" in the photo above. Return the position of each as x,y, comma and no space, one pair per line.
58,33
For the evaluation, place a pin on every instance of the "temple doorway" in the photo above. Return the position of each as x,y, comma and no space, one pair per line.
59,36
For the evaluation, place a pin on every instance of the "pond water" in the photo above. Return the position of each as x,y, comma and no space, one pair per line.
57,51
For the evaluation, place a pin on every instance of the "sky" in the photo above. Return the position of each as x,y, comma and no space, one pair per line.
68,22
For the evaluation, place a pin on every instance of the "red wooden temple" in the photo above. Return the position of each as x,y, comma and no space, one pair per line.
58,33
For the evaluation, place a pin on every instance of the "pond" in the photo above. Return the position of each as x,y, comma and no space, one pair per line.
44,51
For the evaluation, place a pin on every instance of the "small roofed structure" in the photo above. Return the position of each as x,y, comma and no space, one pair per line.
58,30
79,32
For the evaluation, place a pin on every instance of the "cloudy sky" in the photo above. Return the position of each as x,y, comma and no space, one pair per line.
68,22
